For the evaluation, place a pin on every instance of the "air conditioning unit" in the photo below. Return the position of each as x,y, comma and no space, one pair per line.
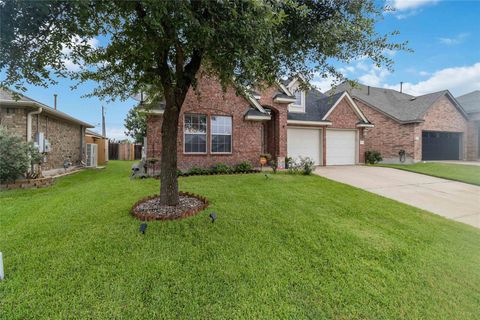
92,151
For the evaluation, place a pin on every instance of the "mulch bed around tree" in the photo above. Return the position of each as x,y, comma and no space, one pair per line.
149,208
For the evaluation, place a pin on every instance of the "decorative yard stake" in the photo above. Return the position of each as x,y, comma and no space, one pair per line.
213,216
2,275
143,227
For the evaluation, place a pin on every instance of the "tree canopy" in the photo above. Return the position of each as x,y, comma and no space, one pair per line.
136,125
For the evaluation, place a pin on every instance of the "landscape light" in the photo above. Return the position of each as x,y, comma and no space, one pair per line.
213,216
143,227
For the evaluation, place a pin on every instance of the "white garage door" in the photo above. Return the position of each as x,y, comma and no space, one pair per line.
304,143
341,147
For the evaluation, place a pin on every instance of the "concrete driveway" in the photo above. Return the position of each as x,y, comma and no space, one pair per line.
454,200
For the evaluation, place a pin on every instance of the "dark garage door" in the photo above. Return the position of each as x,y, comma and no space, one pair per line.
440,145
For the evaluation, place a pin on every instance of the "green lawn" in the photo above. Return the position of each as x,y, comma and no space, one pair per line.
285,247
458,172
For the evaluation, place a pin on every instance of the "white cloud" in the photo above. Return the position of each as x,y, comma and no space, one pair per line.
404,5
66,51
324,84
374,77
407,8
454,40
390,52
459,80
424,73
116,133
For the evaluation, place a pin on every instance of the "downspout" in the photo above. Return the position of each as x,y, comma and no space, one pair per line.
29,122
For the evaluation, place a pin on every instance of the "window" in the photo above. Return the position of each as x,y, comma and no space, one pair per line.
298,98
299,104
195,133
221,134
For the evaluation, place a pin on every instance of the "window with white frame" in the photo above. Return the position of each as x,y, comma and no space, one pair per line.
299,104
195,133
221,134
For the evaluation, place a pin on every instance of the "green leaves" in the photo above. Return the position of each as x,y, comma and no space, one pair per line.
148,45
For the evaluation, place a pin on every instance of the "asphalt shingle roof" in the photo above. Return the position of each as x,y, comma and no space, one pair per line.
401,106
316,106
470,102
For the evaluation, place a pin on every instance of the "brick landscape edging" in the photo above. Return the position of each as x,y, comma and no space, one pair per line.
151,216
30,183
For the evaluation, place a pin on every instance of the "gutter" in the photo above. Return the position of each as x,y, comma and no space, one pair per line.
309,123
29,122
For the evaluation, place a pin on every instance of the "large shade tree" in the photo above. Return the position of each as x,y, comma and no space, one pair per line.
158,47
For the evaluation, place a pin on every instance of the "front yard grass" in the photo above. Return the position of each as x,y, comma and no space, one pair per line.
283,247
457,172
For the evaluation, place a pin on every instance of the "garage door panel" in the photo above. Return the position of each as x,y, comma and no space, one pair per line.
304,143
441,145
341,147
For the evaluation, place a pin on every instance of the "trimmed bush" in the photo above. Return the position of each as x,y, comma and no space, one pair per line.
372,157
221,168
16,156
244,166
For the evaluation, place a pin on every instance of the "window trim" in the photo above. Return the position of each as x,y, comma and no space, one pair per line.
211,134
292,107
185,133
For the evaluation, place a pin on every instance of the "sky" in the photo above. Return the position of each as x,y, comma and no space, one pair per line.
444,36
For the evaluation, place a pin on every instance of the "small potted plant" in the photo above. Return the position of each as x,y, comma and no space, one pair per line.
264,158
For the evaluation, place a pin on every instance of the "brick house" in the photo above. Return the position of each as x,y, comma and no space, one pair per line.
471,104
58,135
225,127
428,127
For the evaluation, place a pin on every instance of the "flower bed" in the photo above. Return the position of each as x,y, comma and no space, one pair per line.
149,208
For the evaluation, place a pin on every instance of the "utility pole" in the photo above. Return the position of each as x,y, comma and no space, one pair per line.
104,133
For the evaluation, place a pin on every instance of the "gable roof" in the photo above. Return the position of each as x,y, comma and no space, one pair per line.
470,101
401,107
7,97
318,107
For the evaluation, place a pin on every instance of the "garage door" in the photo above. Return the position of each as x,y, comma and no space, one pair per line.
439,145
341,147
304,143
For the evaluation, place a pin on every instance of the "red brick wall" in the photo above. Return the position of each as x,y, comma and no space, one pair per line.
211,100
281,119
473,136
442,116
388,136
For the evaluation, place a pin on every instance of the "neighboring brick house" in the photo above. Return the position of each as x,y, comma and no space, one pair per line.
224,127
58,135
471,104
428,127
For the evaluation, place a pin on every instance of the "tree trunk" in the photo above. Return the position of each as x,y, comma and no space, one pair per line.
168,164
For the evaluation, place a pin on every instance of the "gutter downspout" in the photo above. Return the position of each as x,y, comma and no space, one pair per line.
29,122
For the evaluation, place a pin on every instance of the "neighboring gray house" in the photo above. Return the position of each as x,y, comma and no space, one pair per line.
58,136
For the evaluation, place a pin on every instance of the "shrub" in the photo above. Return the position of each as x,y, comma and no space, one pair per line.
273,163
221,168
372,157
197,171
307,165
244,166
16,156
288,162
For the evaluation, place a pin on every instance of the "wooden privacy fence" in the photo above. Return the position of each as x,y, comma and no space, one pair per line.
124,151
